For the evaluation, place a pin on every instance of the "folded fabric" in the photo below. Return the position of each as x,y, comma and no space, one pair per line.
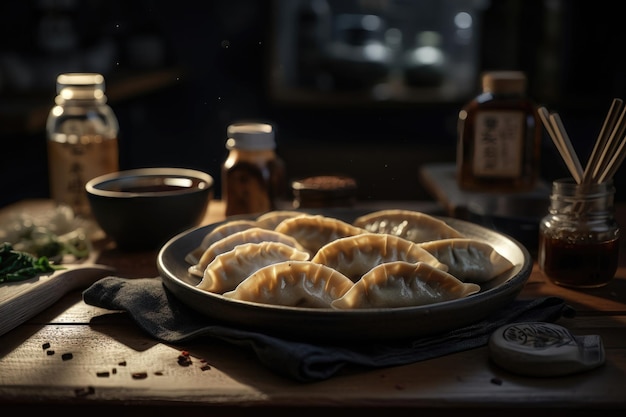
158,312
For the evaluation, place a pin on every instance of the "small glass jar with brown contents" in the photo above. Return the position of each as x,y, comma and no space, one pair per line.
579,238
253,175
324,191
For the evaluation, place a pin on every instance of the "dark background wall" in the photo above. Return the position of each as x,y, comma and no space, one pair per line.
178,72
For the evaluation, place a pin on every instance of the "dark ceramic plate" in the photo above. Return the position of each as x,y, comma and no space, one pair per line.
310,324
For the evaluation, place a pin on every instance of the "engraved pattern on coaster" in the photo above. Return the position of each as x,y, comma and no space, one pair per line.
538,336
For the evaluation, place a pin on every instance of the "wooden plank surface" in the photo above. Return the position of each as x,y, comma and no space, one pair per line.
113,361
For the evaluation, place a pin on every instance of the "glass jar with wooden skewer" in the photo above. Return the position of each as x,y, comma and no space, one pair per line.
579,238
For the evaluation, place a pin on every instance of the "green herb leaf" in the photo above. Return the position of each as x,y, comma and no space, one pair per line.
19,266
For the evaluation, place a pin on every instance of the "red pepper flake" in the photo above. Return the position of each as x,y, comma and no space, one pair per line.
140,375
103,374
46,346
184,360
67,356
49,352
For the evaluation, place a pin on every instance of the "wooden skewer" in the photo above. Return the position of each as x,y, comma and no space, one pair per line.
566,144
607,128
615,162
608,153
545,118
610,146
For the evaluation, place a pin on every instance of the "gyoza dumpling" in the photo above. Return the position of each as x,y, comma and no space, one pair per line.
314,231
411,225
353,256
218,233
228,269
403,284
294,284
470,260
271,219
252,235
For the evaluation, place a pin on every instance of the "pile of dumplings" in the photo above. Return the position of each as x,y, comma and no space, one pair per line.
384,259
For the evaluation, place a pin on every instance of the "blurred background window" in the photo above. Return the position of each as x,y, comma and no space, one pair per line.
369,89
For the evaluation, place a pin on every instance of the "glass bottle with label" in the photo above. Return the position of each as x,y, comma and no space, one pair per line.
499,137
579,237
253,175
82,133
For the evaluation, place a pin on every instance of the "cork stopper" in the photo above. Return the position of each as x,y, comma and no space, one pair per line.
504,82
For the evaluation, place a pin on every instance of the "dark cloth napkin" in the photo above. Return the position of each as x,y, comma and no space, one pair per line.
155,309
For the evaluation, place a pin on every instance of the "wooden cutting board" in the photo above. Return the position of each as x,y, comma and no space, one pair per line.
19,301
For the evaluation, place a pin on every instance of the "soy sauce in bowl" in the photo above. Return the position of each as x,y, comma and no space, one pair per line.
143,208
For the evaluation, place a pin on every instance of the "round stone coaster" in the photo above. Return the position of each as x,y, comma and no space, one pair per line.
544,349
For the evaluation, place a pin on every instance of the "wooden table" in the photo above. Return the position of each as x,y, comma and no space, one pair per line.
116,369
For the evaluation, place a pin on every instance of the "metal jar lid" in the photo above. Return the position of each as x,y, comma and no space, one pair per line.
250,136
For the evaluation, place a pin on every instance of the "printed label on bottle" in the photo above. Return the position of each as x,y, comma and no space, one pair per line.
72,165
498,141
247,190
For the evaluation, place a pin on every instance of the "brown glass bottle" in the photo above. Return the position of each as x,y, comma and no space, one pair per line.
253,175
499,137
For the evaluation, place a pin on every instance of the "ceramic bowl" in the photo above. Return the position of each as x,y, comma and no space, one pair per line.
141,209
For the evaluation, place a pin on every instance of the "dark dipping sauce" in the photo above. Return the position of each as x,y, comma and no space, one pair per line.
580,265
160,185
152,189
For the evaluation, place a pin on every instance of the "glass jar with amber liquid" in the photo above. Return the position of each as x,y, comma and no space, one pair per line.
253,175
499,137
82,133
579,237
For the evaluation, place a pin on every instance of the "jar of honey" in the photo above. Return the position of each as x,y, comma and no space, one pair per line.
579,237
